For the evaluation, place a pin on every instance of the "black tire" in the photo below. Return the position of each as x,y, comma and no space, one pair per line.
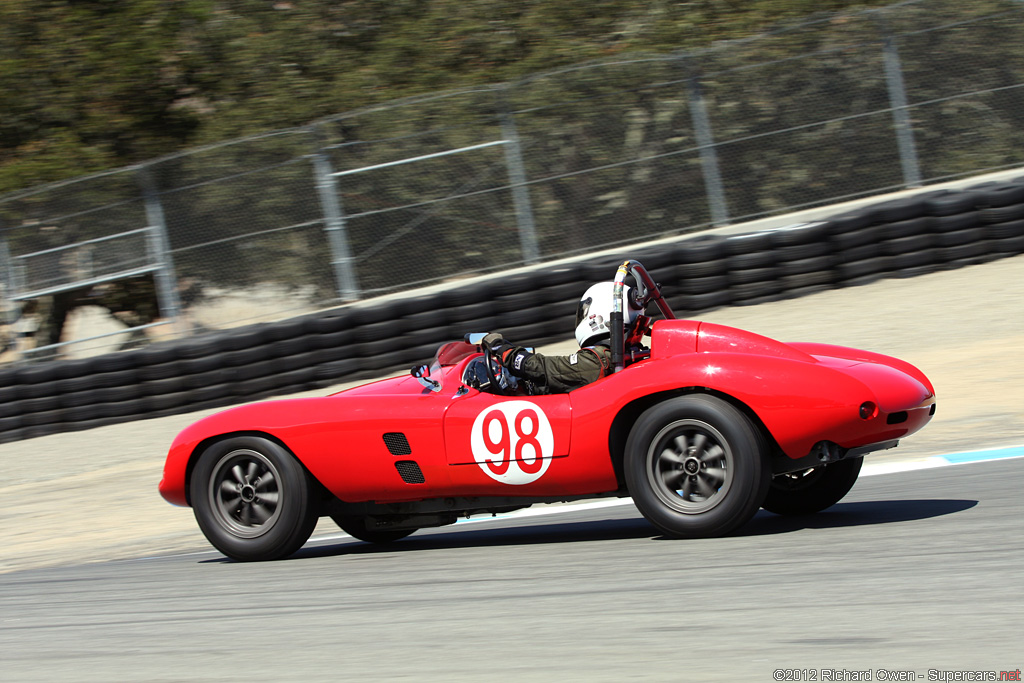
999,194
683,271
703,285
857,238
227,519
800,252
160,371
800,234
751,260
904,245
959,237
700,302
749,276
813,490
357,529
913,259
864,251
814,264
1009,245
850,221
951,203
957,221
821,277
755,292
748,243
907,228
112,362
1000,231
905,208
1001,214
11,424
855,269
688,432
968,253
699,250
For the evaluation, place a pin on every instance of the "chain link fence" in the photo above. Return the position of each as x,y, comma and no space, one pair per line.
442,187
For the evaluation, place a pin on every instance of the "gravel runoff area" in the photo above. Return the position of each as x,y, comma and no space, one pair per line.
91,495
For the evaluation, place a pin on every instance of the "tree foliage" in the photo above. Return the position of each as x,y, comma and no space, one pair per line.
94,84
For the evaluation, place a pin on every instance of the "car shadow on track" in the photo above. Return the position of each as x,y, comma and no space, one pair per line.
522,535
629,525
526,533
852,514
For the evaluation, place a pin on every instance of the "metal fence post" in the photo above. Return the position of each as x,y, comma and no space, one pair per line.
7,285
898,102
334,222
517,180
708,156
159,244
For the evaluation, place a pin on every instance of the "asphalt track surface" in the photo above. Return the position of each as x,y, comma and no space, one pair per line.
913,571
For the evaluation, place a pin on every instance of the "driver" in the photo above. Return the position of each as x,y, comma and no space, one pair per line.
560,374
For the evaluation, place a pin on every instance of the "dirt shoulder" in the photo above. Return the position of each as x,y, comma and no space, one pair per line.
91,495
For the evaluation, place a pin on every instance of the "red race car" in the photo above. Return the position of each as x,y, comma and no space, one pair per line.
701,424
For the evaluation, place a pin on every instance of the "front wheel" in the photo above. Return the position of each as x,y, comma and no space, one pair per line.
813,490
252,499
696,467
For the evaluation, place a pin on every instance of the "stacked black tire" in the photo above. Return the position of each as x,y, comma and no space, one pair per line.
907,237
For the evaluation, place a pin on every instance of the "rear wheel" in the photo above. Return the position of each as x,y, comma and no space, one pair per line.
696,467
813,490
252,499
357,528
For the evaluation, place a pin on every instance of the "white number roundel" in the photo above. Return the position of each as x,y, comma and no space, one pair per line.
512,442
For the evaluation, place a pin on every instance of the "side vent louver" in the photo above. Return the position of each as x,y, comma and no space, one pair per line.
410,472
397,443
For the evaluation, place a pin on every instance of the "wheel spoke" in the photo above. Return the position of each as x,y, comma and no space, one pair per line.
715,475
238,474
687,487
672,479
250,475
699,443
230,504
681,444
266,480
270,498
246,515
706,489
671,457
261,513
228,489
712,454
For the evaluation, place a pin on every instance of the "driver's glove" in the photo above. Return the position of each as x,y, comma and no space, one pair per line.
499,347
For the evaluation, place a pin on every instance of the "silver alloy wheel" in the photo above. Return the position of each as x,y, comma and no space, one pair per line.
245,493
689,466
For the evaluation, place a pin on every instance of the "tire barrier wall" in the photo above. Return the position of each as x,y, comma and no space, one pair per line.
905,237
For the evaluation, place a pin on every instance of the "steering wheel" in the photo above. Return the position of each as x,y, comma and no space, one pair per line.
491,360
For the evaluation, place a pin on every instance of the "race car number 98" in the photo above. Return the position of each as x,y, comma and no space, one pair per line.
512,442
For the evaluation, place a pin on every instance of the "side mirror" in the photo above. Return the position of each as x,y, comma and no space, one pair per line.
422,373
475,338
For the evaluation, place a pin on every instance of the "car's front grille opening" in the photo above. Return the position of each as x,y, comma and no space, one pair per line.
896,418
410,472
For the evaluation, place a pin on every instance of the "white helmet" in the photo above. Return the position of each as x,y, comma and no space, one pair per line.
595,310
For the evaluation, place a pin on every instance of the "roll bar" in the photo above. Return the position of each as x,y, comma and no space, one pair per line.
647,290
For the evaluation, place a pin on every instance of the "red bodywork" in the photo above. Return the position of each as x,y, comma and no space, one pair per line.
468,443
